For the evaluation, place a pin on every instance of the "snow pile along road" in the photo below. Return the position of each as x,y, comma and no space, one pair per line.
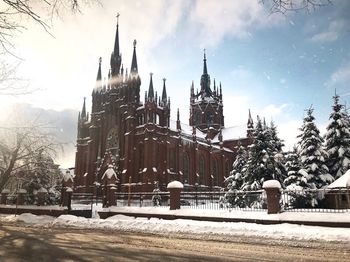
180,226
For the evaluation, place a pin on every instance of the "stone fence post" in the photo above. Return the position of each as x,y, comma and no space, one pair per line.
4,194
175,188
41,195
20,196
273,193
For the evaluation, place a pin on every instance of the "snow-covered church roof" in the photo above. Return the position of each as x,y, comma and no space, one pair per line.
232,133
341,182
186,129
229,133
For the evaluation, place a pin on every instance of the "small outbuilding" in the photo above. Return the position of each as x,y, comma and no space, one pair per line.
338,193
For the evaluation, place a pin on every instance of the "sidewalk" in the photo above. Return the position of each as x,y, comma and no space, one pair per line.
339,219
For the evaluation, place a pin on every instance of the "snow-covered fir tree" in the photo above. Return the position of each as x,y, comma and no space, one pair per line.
312,154
261,164
276,142
337,140
235,180
294,180
261,161
41,174
276,145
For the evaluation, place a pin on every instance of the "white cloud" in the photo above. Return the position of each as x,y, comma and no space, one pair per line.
272,111
241,74
218,19
331,34
236,110
342,75
288,131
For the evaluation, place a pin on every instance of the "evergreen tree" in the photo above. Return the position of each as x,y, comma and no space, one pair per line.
235,180
42,173
276,142
276,145
261,164
312,155
337,140
294,180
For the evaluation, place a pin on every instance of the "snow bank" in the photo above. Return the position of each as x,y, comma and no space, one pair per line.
181,226
33,219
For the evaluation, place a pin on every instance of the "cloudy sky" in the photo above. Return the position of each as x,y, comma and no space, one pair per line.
276,65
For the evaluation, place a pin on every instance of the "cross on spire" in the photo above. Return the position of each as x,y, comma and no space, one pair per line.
117,16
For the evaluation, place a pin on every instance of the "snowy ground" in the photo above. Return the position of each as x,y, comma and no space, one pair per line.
283,231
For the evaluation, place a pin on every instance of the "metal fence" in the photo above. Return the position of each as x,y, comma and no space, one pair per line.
197,200
240,200
82,201
31,199
316,200
143,199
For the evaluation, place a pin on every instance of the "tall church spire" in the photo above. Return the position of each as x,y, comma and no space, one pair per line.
205,69
164,95
150,89
250,123
134,70
116,58
116,42
99,74
83,111
205,79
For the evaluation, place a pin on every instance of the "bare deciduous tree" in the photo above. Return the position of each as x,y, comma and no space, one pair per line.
21,147
284,6
14,13
10,83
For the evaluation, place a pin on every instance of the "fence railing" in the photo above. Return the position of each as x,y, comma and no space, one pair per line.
143,199
31,199
82,201
316,200
196,200
241,200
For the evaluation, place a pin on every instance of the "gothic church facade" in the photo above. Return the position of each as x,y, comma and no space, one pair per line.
143,144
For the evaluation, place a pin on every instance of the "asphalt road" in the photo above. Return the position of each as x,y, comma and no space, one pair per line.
23,243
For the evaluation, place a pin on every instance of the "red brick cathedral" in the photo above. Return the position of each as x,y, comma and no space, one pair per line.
143,144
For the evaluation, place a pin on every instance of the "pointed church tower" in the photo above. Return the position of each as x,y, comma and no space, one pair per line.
116,57
134,69
205,79
206,107
150,89
250,125
83,115
164,95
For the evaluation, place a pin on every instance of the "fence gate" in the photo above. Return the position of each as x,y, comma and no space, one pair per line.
81,205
